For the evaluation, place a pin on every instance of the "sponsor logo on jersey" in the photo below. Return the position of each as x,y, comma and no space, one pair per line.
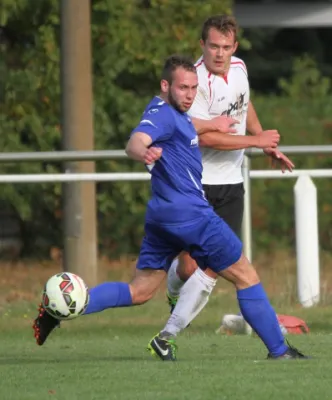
194,142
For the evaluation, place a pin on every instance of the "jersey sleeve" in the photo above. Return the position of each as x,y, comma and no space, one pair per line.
157,123
200,107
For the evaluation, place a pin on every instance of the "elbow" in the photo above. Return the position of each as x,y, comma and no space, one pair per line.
127,150
199,130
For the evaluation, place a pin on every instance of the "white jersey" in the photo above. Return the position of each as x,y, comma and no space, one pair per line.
222,96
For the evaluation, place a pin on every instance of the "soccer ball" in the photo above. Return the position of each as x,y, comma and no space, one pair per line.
65,296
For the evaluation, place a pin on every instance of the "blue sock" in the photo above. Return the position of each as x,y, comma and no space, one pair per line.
258,312
109,295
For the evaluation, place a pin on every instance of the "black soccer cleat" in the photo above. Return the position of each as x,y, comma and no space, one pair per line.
163,348
43,325
291,354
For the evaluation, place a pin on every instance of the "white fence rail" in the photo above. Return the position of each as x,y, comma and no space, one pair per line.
307,245
145,176
95,155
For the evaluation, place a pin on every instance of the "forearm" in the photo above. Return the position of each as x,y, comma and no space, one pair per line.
203,125
253,126
225,141
137,147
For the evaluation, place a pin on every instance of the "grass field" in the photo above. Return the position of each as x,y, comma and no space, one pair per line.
104,357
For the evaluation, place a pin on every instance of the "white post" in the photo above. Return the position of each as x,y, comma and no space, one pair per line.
246,223
307,242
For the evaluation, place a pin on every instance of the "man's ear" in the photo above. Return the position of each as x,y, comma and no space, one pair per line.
201,43
236,44
164,86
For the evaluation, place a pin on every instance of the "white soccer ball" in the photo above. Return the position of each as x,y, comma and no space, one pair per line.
65,296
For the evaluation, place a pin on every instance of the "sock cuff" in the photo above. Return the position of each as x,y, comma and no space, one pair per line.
254,292
201,275
125,298
175,264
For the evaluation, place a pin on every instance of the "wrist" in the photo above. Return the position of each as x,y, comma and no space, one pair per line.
211,126
267,150
255,141
256,132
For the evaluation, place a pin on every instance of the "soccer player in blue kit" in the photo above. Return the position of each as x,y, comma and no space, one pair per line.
178,218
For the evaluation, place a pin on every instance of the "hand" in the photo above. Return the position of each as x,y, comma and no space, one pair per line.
268,139
152,154
279,158
224,124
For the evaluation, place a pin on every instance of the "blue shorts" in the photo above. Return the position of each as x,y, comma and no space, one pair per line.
209,241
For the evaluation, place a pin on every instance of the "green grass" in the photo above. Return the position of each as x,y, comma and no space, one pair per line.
104,357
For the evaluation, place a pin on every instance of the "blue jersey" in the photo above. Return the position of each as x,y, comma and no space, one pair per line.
177,192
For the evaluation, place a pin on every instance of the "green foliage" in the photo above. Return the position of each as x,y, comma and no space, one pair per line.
273,50
307,82
303,116
130,40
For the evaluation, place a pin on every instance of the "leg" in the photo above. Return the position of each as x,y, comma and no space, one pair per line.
107,295
257,310
154,259
187,266
145,284
120,294
181,269
221,249
255,306
212,246
228,204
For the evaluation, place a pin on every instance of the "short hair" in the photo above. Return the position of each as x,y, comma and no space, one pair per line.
225,24
174,62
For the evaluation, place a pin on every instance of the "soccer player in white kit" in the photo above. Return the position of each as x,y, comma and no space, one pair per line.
223,91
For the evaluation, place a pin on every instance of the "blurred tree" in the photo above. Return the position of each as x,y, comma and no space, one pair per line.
303,116
272,52
131,38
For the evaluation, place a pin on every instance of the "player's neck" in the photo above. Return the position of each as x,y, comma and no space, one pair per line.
223,73
163,97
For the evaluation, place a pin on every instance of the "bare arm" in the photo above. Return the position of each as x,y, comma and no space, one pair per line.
138,145
254,127
224,141
222,124
138,148
202,125
201,118
225,124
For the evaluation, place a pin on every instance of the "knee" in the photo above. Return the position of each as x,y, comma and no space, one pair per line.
139,295
186,267
242,274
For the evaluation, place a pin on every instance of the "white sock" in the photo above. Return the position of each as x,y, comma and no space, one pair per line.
194,296
174,283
